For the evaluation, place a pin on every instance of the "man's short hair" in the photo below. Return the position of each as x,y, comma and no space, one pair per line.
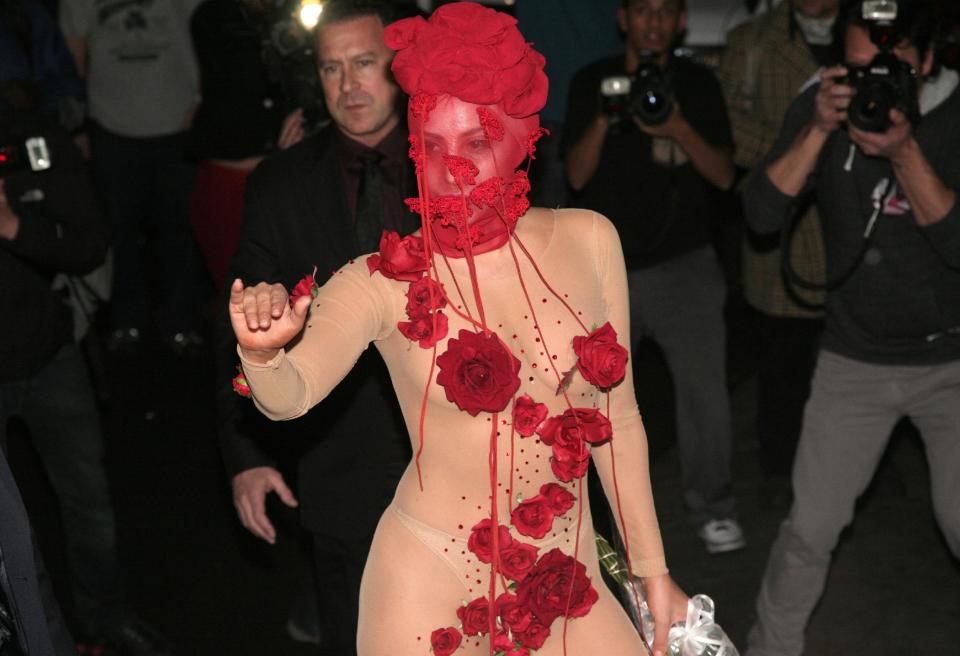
338,11
915,22
681,4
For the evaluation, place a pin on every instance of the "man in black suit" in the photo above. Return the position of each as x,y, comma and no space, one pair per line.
318,204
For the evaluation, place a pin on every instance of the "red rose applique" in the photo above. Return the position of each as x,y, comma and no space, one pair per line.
475,617
478,373
240,385
600,359
587,424
306,286
557,585
399,259
517,559
425,329
445,641
534,635
559,498
480,541
424,296
513,615
532,517
528,415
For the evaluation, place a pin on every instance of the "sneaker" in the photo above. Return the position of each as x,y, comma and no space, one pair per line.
722,535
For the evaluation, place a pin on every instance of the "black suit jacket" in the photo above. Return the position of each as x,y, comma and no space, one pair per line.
355,446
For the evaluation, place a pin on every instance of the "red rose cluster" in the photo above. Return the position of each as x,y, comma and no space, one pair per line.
471,52
569,435
428,324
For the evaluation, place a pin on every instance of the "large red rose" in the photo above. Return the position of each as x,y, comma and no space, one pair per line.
478,373
512,614
400,259
480,541
532,517
600,359
558,585
517,559
475,616
424,296
421,329
559,498
445,641
528,415
586,424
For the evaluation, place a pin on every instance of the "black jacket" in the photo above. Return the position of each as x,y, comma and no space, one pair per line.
356,448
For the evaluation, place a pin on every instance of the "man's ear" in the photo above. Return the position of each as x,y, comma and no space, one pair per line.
927,64
622,19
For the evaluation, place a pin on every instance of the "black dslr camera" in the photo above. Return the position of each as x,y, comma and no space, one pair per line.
646,95
29,154
885,83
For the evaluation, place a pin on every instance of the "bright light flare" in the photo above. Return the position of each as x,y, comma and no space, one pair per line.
310,11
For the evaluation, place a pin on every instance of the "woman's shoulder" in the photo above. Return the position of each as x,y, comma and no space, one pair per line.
582,225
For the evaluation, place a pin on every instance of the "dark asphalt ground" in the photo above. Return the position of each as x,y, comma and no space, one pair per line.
196,575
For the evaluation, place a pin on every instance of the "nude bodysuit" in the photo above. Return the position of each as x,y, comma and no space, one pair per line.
419,569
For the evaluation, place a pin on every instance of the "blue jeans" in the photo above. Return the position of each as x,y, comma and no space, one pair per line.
679,304
59,408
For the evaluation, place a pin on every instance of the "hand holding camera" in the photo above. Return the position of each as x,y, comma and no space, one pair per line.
832,100
9,221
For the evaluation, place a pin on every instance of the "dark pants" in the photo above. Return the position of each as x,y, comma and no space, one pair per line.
59,408
144,187
339,569
787,355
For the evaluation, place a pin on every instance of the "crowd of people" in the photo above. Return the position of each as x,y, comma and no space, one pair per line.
172,172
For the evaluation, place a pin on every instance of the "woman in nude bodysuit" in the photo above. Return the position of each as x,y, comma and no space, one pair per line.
498,324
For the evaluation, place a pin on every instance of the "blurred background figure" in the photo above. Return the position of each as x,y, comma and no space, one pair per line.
766,63
142,89
647,143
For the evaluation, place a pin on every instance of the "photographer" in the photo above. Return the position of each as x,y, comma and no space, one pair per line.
887,197
657,178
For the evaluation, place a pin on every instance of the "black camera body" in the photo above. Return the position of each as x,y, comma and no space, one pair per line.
27,154
646,95
887,82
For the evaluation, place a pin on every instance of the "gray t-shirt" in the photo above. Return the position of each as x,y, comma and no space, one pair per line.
141,74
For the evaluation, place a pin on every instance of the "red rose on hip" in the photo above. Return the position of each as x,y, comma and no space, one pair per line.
480,541
559,498
600,359
421,329
478,373
558,585
532,517
306,286
517,559
445,641
513,615
419,297
534,635
587,424
475,616
399,259
528,415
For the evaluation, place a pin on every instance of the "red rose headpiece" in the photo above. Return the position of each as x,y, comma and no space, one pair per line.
471,52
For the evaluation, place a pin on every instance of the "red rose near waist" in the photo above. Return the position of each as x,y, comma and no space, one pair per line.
558,497
475,616
399,259
600,359
532,517
512,614
478,373
517,559
547,589
481,540
445,641
534,635
528,415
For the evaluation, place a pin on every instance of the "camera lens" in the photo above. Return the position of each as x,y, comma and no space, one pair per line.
870,108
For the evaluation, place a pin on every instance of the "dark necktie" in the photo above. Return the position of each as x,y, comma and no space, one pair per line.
369,223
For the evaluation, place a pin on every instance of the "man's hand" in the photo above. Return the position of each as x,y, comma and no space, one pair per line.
250,490
292,130
9,221
673,128
263,320
890,144
832,100
668,605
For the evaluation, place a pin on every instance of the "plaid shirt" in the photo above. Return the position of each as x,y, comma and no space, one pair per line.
762,70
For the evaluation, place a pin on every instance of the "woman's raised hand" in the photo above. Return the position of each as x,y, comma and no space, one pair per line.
263,320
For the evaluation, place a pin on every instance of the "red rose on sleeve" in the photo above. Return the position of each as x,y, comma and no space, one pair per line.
445,641
600,359
399,259
559,498
306,286
532,517
516,560
556,580
528,415
421,329
480,541
478,373
475,616
419,297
